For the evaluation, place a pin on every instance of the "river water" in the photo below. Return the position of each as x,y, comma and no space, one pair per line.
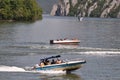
23,44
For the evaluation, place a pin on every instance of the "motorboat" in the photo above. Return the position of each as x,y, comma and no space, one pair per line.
65,41
68,66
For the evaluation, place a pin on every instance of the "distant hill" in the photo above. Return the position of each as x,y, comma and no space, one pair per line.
87,8
47,5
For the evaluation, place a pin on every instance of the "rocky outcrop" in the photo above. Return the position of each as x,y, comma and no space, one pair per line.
55,8
87,8
74,2
61,9
94,6
113,5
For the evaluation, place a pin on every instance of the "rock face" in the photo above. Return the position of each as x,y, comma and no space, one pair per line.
87,8
61,9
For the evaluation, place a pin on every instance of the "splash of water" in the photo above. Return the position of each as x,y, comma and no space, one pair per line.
4,68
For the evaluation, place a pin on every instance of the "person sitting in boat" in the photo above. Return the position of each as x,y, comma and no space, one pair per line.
41,64
58,61
53,61
65,38
47,62
61,39
75,39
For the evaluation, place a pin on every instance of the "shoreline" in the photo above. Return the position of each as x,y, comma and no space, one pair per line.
7,20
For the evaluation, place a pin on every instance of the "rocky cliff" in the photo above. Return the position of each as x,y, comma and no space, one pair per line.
87,8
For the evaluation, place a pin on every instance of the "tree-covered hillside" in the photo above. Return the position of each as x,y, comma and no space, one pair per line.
87,8
20,10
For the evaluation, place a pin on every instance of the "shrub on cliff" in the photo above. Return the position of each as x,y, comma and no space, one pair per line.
20,10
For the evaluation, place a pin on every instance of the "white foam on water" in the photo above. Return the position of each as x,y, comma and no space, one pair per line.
69,47
54,47
99,52
4,68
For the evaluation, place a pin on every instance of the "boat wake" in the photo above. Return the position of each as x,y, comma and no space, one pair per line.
45,46
4,68
68,49
98,53
77,47
57,46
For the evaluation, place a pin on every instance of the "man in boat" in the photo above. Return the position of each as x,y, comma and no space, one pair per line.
53,61
47,62
41,64
58,61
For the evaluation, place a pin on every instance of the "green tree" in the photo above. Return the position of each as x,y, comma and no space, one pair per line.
20,10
